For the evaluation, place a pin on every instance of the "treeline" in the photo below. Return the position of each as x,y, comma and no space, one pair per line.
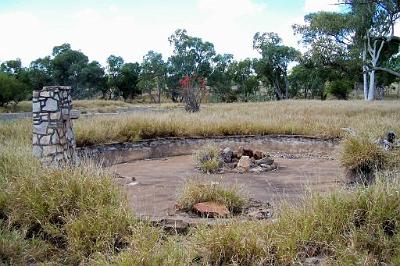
346,51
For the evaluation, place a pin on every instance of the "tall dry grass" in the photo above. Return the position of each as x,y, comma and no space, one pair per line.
312,118
74,216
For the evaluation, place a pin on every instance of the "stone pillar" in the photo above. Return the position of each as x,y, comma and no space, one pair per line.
53,136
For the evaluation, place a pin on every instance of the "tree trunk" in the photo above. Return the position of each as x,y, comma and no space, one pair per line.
372,86
286,88
158,91
374,52
365,72
277,89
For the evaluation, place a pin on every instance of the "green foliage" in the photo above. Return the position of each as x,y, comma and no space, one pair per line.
340,88
209,159
245,79
272,67
11,90
221,78
153,75
67,67
191,57
196,191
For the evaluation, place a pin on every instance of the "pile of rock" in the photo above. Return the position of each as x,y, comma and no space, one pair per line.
245,160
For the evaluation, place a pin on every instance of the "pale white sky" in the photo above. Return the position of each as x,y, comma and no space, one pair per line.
31,28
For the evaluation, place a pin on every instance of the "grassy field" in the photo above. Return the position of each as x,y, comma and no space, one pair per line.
77,215
100,106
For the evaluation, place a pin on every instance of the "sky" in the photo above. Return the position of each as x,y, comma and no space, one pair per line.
130,28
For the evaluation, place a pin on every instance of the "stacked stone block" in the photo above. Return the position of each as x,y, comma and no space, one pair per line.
53,135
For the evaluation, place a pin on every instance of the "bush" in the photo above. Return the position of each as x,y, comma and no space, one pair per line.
340,89
362,157
12,90
196,191
209,159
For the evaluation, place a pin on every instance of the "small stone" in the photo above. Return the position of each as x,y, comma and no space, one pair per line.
266,160
37,151
244,163
49,150
51,105
36,107
260,214
240,152
45,140
227,155
35,140
248,152
40,128
231,165
257,169
211,209
55,116
46,94
391,136
258,154
59,157
65,112
174,225
54,138
69,134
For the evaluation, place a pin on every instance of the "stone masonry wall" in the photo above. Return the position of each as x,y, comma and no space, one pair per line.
53,136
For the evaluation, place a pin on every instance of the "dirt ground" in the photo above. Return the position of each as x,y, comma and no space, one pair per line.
158,181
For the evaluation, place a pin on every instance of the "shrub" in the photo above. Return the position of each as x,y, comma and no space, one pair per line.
12,90
209,158
340,89
361,157
196,191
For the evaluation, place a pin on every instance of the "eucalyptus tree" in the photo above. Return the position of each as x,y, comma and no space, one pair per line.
221,77
153,74
275,58
355,39
67,66
245,78
191,63
375,20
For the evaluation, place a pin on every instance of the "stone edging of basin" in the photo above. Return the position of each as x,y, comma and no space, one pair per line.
114,153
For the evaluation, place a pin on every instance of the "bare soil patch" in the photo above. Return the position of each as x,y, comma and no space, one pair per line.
152,185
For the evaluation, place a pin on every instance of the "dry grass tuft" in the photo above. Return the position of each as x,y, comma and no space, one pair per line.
196,191
209,158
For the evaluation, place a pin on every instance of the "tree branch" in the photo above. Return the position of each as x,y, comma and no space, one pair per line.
397,74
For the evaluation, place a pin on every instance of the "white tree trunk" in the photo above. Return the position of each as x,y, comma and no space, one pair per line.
374,53
365,72
372,85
